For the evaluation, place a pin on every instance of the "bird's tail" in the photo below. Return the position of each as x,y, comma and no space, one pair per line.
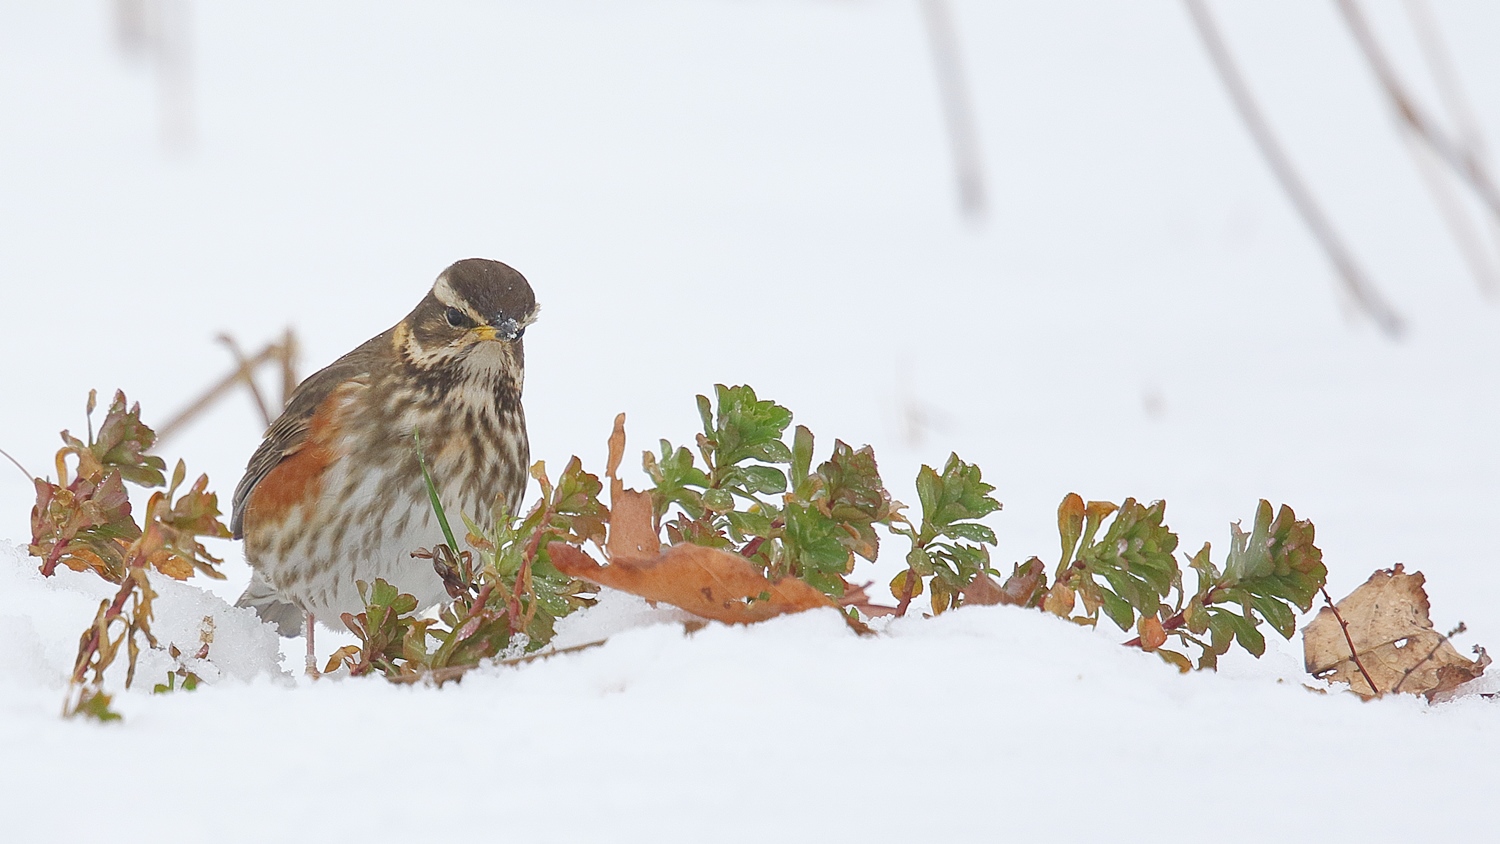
271,607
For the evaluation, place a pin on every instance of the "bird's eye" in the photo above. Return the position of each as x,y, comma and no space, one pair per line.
459,319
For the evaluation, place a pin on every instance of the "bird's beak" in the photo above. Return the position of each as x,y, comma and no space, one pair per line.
503,328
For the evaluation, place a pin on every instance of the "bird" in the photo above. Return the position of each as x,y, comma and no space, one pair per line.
334,495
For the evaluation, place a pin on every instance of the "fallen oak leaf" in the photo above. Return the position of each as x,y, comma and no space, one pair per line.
1388,620
707,582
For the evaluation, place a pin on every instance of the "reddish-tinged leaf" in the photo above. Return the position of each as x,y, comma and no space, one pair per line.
985,591
1150,630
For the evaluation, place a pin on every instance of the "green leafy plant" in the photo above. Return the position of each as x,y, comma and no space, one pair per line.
762,497
84,522
949,547
1129,572
506,593
749,491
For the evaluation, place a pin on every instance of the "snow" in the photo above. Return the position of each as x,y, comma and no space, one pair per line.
733,192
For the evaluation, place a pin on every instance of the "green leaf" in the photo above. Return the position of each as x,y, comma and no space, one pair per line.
814,547
718,500
95,704
1135,554
761,479
706,413
748,428
432,493
802,452
1069,526
972,531
749,524
122,443
1118,610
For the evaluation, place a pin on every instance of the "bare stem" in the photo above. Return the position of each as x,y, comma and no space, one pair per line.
1464,162
1356,284
1464,155
1354,654
958,107
243,373
91,645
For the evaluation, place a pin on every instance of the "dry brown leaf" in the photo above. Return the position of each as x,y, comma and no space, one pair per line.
984,590
631,534
616,447
704,581
632,529
707,582
1388,621
1018,590
1059,600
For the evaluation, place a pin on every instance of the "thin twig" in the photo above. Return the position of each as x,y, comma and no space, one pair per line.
454,672
1442,640
248,374
17,464
1457,155
958,105
288,359
282,352
1374,689
1476,254
1360,289
1440,63
1460,224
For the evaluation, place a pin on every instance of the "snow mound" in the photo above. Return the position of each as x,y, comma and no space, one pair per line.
41,619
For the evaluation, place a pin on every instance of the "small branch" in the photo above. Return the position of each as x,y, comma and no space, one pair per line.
247,375
288,358
216,392
17,464
1460,224
455,672
1442,640
1435,51
1457,155
1464,156
1374,689
958,108
1359,288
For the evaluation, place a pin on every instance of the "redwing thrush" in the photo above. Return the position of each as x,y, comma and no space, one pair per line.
335,494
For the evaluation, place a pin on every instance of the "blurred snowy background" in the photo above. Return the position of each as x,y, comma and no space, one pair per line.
740,192
734,192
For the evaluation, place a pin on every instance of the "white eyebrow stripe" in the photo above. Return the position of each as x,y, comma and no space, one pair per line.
443,291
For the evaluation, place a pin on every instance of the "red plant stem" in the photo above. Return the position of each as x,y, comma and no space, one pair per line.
907,593
1374,689
533,547
1177,620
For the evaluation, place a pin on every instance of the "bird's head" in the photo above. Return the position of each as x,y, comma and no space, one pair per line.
473,319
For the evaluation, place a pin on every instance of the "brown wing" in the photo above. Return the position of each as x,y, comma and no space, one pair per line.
288,434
